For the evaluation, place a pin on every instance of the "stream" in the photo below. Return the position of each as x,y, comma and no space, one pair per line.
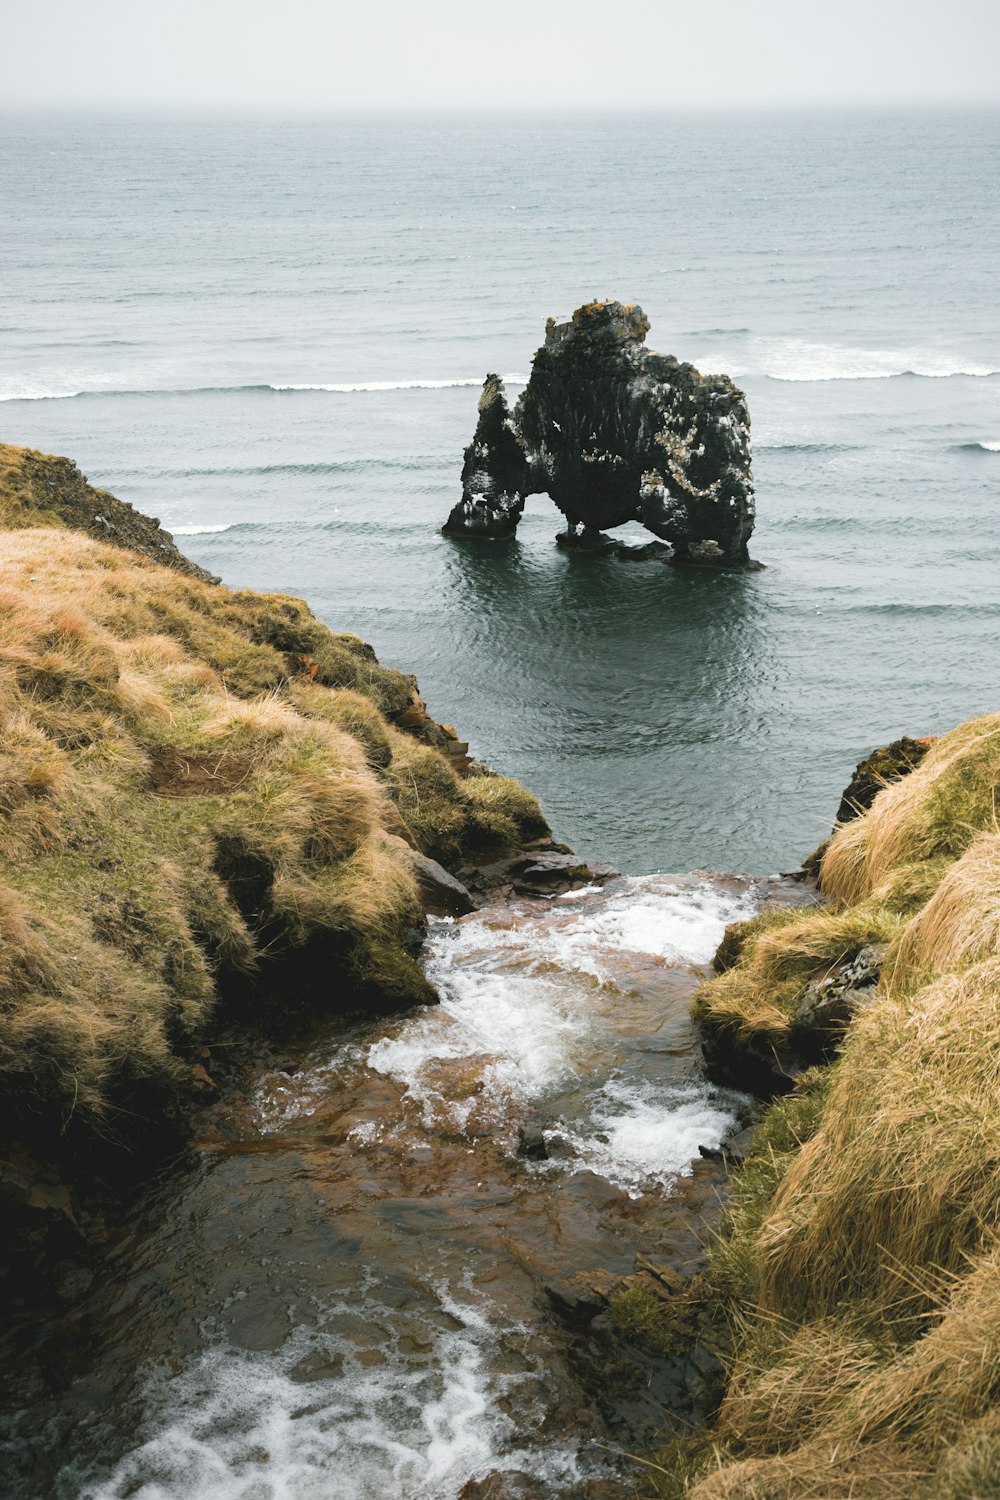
339,1292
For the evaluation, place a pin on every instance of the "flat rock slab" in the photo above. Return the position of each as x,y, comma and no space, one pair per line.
545,872
444,895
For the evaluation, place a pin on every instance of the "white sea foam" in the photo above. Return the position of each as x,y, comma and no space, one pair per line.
21,391
198,530
347,388
799,360
36,393
990,447
237,1426
640,1136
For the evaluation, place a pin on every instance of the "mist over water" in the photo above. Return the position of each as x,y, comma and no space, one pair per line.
278,331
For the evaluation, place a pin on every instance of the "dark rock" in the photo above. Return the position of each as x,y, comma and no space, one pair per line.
733,1152
754,1064
531,1141
705,1378
888,763
766,1065
510,1485
576,1304
443,894
548,872
515,1484
496,475
613,433
828,1005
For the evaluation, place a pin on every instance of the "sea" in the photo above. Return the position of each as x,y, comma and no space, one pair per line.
271,334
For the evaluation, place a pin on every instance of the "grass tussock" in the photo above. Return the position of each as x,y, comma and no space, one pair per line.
859,1263
773,958
199,789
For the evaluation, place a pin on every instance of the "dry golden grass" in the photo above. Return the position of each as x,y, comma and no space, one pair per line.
195,784
780,952
936,810
859,1266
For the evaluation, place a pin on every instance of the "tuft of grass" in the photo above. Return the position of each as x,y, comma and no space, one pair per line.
452,818
768,963
859,1260
934,812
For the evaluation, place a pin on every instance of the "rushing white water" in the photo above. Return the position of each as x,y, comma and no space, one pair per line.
376,1423
432,1366
533,1004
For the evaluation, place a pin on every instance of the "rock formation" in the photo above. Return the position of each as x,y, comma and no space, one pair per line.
613,433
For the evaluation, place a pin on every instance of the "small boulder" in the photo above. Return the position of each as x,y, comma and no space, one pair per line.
443,894
531,1141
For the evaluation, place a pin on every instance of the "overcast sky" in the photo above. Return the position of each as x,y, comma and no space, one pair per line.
254,55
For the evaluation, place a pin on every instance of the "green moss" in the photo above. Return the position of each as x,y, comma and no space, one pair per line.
645,1320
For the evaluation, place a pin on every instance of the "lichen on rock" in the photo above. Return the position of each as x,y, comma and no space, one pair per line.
614,432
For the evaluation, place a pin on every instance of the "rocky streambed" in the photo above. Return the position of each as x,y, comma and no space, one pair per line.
379,1272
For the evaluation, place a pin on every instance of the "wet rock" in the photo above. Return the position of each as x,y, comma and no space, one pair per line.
201,1080
733,1152
575,1301
887,764
666,1276
704,1377
531,1141
515,1484
29,1182
828,1005
755,1064
443,894
496,475
541,869
613,433
551,872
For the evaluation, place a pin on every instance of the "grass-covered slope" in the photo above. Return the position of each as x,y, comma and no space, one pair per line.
37,489
203,794
859,1267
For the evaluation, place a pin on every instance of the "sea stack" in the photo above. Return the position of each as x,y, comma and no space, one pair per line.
614,432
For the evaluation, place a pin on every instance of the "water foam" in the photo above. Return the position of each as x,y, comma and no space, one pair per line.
341,388
641,1136
349,388
533,1005
37,393
679,923
238,1426
798,360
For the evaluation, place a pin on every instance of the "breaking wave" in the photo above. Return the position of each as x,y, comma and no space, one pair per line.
799,360
342,388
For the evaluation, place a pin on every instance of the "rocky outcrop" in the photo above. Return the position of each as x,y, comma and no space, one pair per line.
614,432
39,489
496,474
886,764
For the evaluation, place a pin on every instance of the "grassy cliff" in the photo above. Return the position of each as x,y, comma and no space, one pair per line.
858,1272
205,801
